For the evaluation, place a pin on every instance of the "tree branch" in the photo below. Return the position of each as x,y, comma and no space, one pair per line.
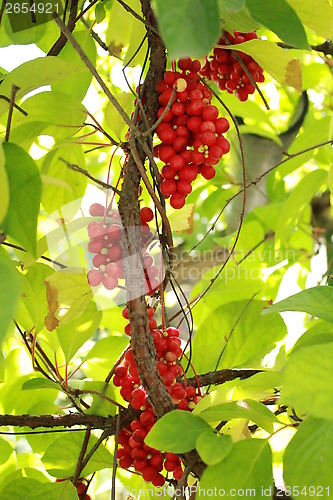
62,40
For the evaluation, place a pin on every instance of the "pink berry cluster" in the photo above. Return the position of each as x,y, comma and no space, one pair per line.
191,132
105,237
133,451
228,73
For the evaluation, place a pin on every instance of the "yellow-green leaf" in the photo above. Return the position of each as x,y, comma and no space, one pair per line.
33,74
68,294
318,16
115,123
182,220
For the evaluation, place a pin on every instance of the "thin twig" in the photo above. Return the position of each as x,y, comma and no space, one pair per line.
95,73
82,171
138,17
15,88
96,393
232,331
119,360
82,13
17,247
79,468
114,468
105,434
326,47
167,108
97,39
183,482
21,110
62,40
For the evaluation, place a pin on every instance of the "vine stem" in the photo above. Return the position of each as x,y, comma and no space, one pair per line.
94,72
15,88
78,468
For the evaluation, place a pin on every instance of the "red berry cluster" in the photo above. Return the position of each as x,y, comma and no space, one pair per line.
105,237
229,74
134,452
191,132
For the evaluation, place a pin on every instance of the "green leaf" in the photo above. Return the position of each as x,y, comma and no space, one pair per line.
237,20
308,458
189,28
61,456
5,451
330,178
101,406
33,74
68,294
33,306
51,113
213,447
308,379
279,17
57,491
247,466
114,121
259,386
25,187
249,338
125,33
75,333
19,488
316,301
320,19
276,61
247,409
57,196
176,432
100,13
10,289
4,186
74,85
232,5
108,347
320,333
297,202
39,383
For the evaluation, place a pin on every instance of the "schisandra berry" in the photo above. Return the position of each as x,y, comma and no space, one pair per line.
224,68
191,132
133,452
105,242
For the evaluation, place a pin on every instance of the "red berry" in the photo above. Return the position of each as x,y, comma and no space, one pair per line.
184,187
149,473
177,200
210,113
96,210
207,172
169,187
94,277
146,214
172,332
177,162
125,462
165,153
